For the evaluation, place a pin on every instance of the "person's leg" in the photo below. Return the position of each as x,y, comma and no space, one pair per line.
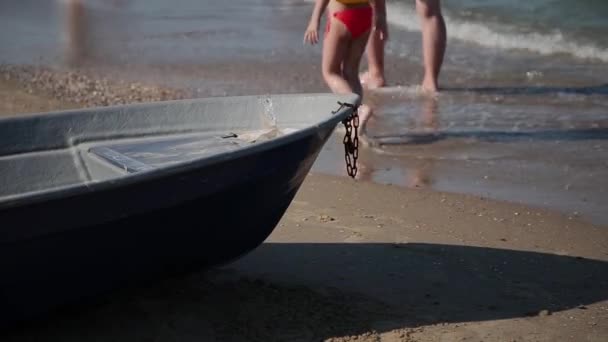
352,62
433,41
351,73
75,17
335,47
374,77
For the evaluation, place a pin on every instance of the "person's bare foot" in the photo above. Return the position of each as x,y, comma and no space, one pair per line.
429,87
365,113
371,82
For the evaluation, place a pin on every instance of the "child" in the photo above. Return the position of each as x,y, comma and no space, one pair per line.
349,23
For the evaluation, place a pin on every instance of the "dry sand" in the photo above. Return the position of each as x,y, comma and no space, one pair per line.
357,261
15,100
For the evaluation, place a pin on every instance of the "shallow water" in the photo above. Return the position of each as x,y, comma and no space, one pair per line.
532,153
524,114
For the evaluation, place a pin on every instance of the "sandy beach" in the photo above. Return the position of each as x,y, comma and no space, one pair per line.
358,261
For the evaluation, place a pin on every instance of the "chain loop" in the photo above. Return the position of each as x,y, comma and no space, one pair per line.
351,141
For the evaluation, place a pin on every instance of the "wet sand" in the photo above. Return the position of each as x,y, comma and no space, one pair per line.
358,261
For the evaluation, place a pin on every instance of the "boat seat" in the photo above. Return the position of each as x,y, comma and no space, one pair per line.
136,155
119,160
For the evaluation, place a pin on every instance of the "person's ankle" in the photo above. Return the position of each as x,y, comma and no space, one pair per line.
372,80
429,86
378,79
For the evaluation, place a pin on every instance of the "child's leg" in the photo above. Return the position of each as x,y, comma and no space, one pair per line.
374,77
352,62
351,73
433,41
335,49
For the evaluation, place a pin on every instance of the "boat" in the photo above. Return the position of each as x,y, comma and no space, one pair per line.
92,200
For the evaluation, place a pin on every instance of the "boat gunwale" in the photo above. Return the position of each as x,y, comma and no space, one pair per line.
73,190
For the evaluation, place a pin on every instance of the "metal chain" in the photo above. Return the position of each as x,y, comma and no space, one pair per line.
351,143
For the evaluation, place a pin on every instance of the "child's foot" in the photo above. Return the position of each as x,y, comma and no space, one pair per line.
429,87
364,112
369,82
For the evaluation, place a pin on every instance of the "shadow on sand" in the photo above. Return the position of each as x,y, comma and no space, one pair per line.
312,291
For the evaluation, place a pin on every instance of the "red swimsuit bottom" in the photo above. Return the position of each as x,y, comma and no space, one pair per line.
357,20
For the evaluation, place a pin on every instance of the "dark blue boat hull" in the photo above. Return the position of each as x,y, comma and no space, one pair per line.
231,207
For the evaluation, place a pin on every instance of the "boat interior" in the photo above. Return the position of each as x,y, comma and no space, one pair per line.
48,151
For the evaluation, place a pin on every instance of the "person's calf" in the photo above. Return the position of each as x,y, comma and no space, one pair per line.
374,76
